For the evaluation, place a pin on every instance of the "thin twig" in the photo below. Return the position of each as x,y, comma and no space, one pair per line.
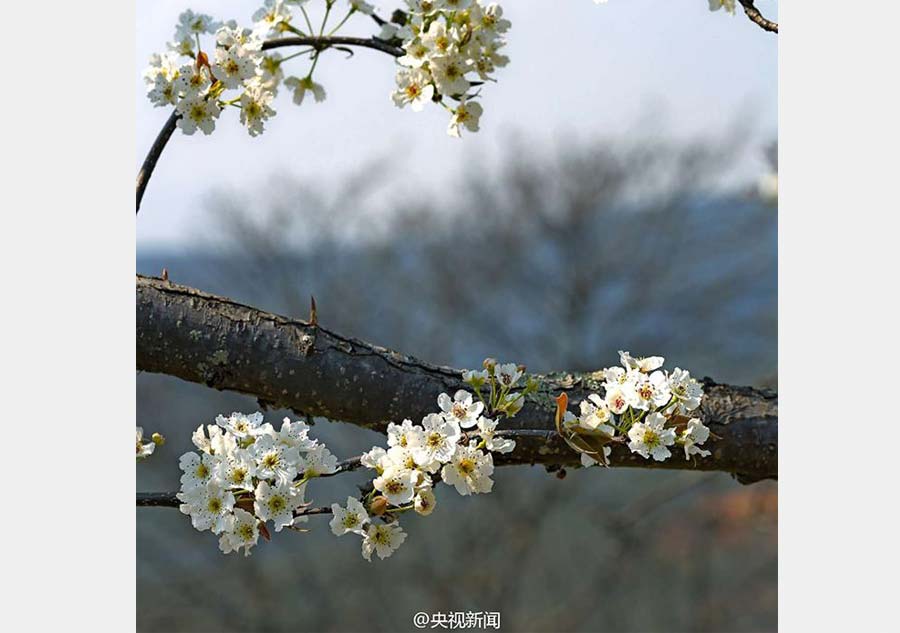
757,17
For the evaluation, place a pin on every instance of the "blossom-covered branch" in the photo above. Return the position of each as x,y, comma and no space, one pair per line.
445,52
292,364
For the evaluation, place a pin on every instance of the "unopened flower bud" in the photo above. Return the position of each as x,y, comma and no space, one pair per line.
379,505
158,439
490,364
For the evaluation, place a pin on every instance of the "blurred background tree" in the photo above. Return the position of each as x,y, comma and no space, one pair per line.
555,261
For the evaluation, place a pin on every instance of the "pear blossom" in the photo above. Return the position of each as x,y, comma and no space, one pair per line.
272,17
686,390
317,462
229,36
192,81
296,435
424,502
595,415
650,438
234,66
486,428
508,374
439,439
208,506
277,503
401,458
475,378
461,409
652,390
240,531
416,53
490,18
383,539
255,108
143,450
645,365
620,397
401,434
693,436
269,72
439,40
349,519
373,458
465,114
198,469
241,425
413,88
304,85
191,24
163,91
469,471
238,469
275,460
397,485
449,72
165,64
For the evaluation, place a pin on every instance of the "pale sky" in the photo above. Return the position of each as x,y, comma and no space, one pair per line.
577,70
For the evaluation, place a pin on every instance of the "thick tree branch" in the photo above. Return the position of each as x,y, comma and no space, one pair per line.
288,363
757,17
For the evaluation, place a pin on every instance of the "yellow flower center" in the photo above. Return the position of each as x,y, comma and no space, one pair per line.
245,531
238,475
277,504
466,466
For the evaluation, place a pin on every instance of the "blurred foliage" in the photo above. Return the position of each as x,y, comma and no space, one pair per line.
553,261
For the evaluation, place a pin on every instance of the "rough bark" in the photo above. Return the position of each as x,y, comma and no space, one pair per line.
292,364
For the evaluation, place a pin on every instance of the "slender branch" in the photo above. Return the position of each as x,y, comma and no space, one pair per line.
345,466
292,364
757,17
321,43
169,500
317,43
153,155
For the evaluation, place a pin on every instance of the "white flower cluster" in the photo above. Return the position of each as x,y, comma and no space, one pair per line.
453,445
196,88
648,408
246,473
452,47
448,43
